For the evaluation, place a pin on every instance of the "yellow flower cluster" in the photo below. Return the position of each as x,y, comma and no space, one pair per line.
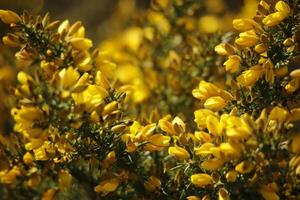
88,124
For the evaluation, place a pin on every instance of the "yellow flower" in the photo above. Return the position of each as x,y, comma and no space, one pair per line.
193,198
247,39
152,183
200,117
260,48
244,24
215,103
133,38
283,10
81,43
250,76
278,114
9,17
231,176
223,194
224,49
237,128
159,140
90,97
159,21
244,167
295,73
268,192
295,114
201,180
34,181
205,90
269,72
107,186
202,136
292,85
68,77
49,194
145,132
230,149
179,152
40,154
64,27
9,177
27,158
295,144
112,106
166,126
273,19
233,63
213,21
33,144
212,164
282,7
204,149
10,41
213,125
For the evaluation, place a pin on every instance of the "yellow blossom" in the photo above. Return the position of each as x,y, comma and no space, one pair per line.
203,136
250,76
27,158
268,193
292,85
40,154
244,24
179,152
278,114
81,43
200,117
282,7
201,180
213,125
159,21
90,97
275,18
107,186
49,194
213,21
231,176
9,176
159,140
193,198
9,17
34,181
204,149
295,144
244,167
8,41
215,103
225,49
152,183
233,63
260,48
223,194
247,39
212,164
205,90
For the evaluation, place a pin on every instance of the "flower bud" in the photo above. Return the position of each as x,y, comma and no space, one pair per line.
9,17
201,180
233,63
179,152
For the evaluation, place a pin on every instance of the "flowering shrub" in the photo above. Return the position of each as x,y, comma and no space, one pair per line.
152,113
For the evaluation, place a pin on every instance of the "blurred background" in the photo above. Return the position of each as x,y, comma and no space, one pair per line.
95,14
